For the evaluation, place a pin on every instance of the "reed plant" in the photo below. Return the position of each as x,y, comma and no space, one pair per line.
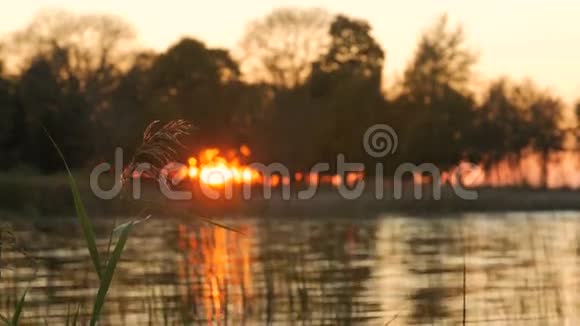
160,146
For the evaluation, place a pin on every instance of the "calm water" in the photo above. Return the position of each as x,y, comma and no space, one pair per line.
519,268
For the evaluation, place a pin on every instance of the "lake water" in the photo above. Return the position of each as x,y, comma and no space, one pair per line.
492,268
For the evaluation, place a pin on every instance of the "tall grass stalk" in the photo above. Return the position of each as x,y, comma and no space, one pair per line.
105,274
15,320
88,232
109,271
155,147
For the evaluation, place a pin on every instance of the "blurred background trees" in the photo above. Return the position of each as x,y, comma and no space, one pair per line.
303,87
515,117
436,105
280,48
346,87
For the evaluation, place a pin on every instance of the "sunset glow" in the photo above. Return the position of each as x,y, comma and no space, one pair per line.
214,169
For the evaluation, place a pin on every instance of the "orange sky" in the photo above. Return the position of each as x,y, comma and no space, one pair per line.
536,39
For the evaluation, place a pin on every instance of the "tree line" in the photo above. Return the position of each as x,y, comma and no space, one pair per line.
304,87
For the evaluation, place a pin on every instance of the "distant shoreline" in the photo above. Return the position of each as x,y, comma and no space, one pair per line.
490,200
38,198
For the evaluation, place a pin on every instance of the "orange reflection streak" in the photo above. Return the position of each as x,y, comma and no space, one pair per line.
216,269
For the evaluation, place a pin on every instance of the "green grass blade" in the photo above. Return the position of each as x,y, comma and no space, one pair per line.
109,271
119,229
18,309
111,239
84,220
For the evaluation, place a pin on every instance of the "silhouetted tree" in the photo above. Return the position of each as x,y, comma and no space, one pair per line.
545,116
95,43
53,100
515,117
92,48
499,127
441,62
345,87
280,48
353,53
89,49
128,111
201,85
12,124
435,101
